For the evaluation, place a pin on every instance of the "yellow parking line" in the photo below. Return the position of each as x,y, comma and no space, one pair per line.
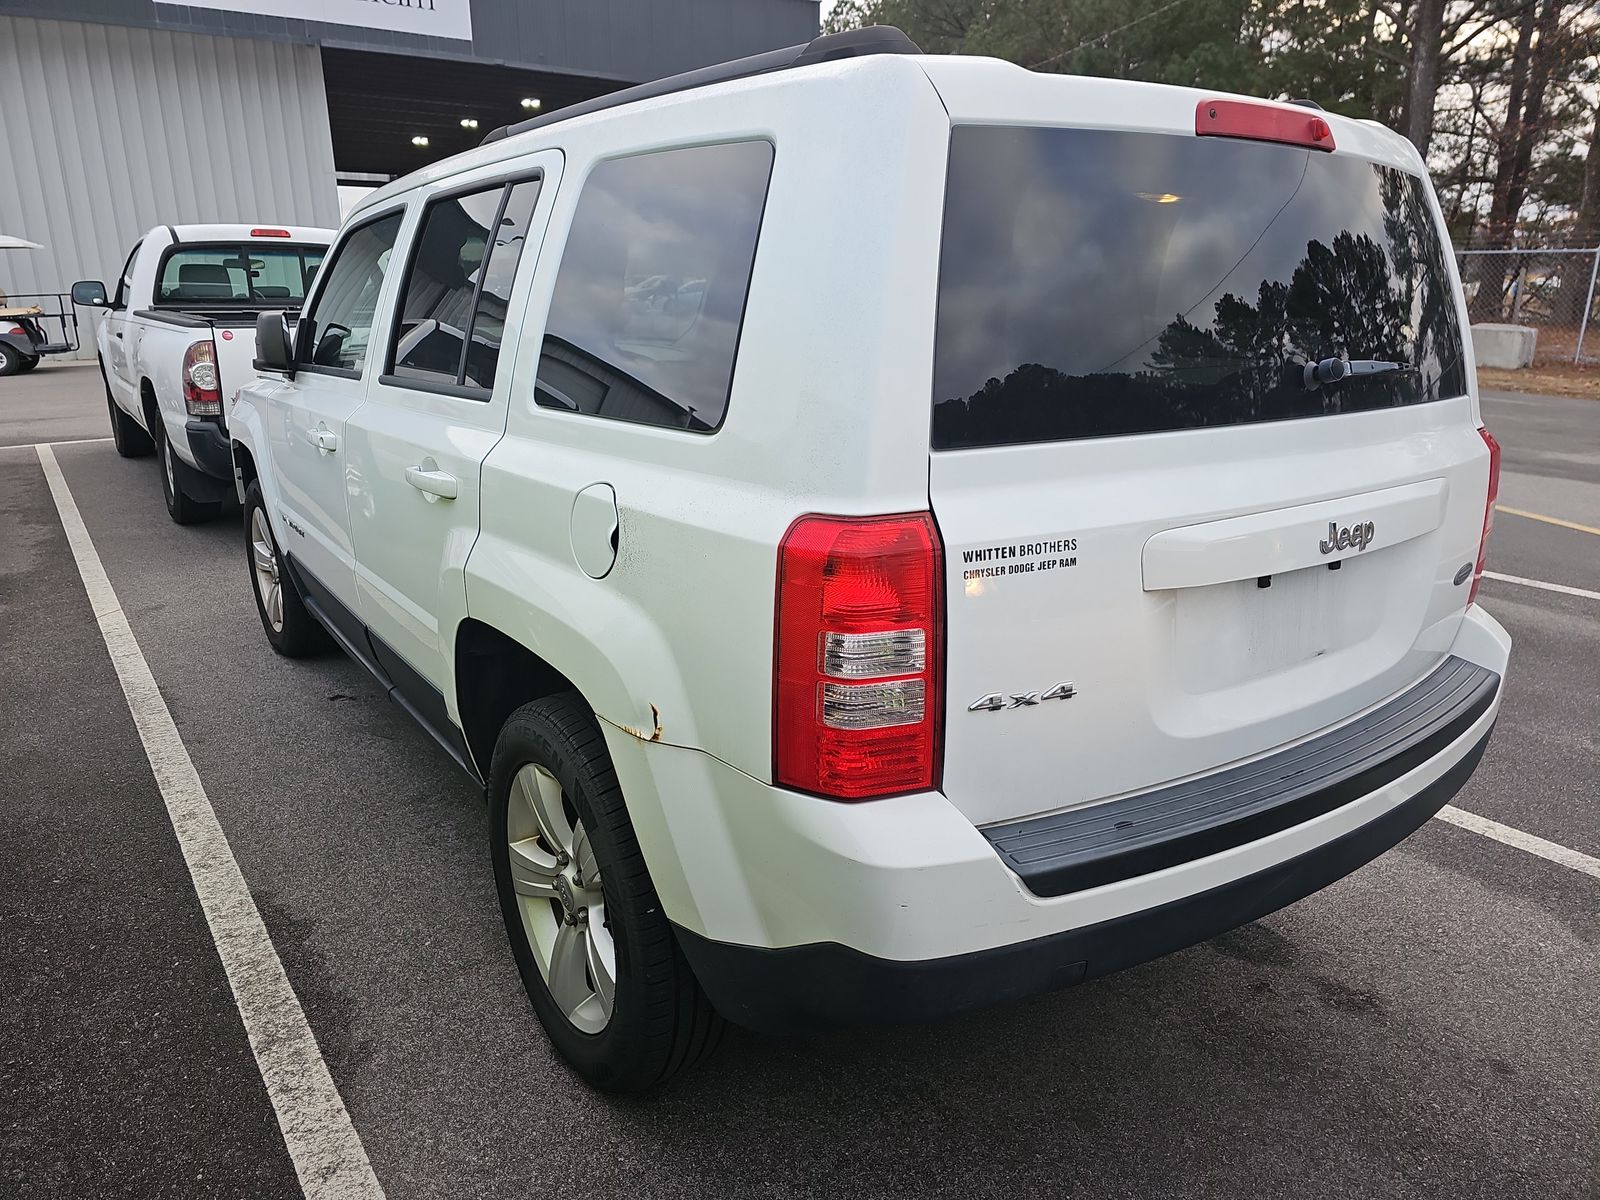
1533,516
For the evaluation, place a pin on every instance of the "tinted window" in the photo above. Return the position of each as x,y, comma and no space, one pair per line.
460,279
645,318
251,275
1096,283
489,315
339,325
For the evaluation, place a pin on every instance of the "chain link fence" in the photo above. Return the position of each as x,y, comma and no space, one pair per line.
1554,291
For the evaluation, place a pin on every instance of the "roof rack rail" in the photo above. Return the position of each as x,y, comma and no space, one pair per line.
853,43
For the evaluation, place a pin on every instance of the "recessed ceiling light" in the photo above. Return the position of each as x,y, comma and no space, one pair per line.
469,122
419,140
1159,197
530,103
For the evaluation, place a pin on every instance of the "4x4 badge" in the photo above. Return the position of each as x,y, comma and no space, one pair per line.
997,701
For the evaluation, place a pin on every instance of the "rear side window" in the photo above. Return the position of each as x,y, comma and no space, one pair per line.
644,322
1095,283
240,274
453,312
338,329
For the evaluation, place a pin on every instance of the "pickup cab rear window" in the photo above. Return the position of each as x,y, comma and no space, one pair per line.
237,275
1095,283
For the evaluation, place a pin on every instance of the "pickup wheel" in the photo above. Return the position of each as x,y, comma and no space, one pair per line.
597,956
127,435
292,631
181,507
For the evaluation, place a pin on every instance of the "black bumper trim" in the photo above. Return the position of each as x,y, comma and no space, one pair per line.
825,985
213,452
1135,835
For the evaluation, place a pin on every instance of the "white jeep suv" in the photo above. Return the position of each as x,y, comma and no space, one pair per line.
890,536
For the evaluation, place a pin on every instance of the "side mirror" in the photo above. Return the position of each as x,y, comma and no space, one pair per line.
274,347
89,292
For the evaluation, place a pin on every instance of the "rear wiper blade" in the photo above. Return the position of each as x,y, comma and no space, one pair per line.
1334,370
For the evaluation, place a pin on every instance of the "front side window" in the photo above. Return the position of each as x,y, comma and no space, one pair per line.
338,329
125,283
242,274
453,311
644,322
1124,283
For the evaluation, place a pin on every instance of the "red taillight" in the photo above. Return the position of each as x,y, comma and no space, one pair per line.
1488,509
1262,123
858,689
202,390
269,233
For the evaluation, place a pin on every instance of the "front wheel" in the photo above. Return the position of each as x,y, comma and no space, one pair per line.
292,631
597,956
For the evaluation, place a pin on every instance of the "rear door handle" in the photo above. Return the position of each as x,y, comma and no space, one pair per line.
432,481
325,439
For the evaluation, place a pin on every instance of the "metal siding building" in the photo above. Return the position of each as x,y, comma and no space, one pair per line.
118,132
125,114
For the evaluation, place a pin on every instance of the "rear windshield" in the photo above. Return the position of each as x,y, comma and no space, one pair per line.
238,274
1095,283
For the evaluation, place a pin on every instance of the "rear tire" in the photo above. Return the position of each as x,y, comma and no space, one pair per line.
290,628
10,360
181,507
580,895
29,364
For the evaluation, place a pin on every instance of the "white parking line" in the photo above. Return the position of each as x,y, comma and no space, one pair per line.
1555,853
327,1152
1543,586
34,446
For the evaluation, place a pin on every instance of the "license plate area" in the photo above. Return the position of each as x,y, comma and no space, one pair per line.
1231,633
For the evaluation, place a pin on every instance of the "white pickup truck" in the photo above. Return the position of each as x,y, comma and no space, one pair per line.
179,334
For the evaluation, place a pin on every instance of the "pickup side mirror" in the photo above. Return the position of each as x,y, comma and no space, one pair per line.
274,347
89,292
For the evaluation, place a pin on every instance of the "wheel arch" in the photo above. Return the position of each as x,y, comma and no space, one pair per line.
494,676
149,404
244,467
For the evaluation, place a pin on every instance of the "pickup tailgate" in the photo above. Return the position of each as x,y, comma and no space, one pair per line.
235,347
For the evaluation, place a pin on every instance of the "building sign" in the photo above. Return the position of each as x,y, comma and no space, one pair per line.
433,18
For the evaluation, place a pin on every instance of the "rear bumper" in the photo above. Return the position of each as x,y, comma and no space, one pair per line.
797,912
821,986
211,450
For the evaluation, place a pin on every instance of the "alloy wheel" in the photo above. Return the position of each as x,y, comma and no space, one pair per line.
559,893
264,560
168,466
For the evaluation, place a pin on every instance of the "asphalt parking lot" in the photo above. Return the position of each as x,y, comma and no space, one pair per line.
1429,1026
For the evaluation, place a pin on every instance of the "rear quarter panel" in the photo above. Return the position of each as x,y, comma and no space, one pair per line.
676,642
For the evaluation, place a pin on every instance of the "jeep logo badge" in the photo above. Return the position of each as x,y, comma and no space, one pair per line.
1347,537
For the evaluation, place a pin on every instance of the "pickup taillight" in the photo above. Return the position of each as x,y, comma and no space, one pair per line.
202,390
858,689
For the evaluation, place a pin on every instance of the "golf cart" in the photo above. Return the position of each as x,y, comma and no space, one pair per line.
23,337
